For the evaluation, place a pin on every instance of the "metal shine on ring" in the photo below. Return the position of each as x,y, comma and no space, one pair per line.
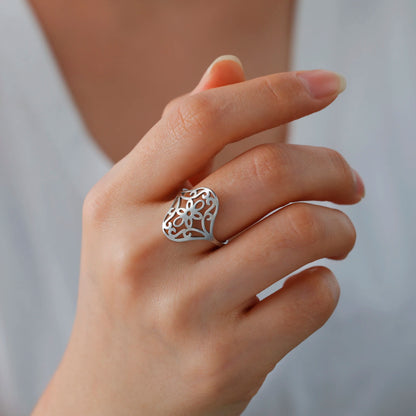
192,216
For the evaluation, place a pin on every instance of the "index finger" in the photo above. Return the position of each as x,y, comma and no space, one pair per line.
200,126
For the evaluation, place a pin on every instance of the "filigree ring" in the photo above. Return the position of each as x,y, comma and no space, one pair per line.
192,216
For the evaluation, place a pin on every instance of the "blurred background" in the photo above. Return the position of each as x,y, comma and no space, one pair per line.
363,361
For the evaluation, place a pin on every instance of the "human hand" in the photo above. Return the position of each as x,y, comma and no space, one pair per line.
225,70
164,328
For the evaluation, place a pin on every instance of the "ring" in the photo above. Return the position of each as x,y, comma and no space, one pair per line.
192,216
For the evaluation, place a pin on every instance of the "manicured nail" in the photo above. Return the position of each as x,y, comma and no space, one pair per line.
206,75
321,83
359,184
224,58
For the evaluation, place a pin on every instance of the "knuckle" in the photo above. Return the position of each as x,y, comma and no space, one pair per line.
216,361
304,224
192,115
176,317
173,316
338,163
269,163
131,258
349,232
319,297
171,105
101,200
123,261
95,207
271,89
324,296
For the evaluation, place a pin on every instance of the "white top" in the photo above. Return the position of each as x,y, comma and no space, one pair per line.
361,363
47,165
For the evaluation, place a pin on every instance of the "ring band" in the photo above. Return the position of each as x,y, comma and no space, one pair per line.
192,216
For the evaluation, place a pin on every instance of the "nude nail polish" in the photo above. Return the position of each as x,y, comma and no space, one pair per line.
359,184
321,83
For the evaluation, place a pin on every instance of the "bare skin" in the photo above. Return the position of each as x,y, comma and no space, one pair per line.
167,328
124,60
177,329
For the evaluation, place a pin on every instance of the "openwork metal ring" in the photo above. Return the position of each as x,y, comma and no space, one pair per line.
192,216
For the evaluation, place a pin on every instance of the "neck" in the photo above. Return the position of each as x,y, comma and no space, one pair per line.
124,60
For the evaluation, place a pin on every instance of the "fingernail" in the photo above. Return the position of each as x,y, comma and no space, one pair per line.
321,83
224,58
359,184
207,72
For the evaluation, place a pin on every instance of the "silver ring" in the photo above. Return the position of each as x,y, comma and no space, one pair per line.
192,216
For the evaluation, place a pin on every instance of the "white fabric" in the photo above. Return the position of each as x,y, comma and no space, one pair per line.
361,362
47,165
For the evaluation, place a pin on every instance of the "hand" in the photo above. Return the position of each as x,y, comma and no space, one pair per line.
166,328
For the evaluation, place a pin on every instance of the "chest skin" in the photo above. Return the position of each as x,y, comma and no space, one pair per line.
124,61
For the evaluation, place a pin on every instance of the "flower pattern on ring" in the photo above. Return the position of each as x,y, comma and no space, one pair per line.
192,215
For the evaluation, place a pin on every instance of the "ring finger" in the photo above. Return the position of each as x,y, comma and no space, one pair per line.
271,176
275,247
